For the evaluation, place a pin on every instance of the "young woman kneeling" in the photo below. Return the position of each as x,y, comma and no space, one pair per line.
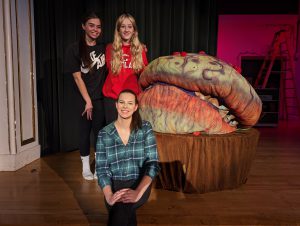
126,161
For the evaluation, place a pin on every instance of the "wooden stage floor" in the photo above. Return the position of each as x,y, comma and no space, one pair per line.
51,191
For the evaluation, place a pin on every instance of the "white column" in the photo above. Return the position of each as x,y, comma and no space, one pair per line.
18,112
9,74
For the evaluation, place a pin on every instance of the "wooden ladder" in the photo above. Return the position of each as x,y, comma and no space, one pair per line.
281,48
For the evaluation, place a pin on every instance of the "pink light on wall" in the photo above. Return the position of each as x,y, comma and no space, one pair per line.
242,36
249,35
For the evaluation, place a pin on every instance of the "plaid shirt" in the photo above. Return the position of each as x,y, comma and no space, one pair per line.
116,161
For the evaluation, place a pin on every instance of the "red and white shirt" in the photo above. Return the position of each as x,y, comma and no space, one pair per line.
126,79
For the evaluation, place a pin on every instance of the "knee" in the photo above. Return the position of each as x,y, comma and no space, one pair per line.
121,208
121,212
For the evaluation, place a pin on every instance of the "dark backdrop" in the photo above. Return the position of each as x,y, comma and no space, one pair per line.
164,26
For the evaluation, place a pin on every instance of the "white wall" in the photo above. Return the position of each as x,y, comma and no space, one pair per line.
4,131
19,127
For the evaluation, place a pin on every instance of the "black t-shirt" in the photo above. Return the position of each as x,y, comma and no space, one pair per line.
93,79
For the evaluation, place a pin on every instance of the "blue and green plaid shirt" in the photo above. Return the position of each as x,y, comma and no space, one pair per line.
116,161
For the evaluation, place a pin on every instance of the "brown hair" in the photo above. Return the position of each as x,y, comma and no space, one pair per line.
83,48
136,122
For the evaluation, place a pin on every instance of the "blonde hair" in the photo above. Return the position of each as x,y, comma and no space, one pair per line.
136,47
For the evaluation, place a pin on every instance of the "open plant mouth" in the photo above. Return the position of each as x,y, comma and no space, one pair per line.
196,92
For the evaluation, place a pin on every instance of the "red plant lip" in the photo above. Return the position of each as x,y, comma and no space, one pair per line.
188,108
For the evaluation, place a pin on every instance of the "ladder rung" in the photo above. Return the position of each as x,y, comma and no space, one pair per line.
278,50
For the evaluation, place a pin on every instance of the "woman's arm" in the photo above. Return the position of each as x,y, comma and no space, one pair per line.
102,165
151,156
72,66
84,93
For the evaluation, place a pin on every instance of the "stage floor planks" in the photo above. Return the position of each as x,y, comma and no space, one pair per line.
51,191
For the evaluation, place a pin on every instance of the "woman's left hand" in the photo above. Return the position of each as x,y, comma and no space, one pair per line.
131,196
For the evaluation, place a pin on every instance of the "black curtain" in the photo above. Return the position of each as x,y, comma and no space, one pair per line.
165,26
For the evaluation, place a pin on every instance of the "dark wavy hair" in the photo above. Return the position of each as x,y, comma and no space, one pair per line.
83,47
136,122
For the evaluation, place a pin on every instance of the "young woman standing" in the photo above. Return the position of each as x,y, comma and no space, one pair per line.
126,161
86,61
125,58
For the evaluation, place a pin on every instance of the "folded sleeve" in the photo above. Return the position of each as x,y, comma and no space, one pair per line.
72,60
102,167
151,162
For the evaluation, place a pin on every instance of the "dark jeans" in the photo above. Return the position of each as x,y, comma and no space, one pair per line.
86,126
124,214
111,113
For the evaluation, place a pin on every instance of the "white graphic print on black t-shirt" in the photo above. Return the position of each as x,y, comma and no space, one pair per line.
92,78
99,60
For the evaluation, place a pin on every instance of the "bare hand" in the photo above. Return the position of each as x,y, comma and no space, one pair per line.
130,196
117,196
88,110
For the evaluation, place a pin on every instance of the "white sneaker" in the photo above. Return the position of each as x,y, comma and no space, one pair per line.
88,175
86,170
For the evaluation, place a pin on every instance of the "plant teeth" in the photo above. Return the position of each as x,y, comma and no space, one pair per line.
222,107
200,95
223,111
233,123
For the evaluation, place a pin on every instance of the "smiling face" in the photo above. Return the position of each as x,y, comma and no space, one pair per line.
126,30
126,105
92,28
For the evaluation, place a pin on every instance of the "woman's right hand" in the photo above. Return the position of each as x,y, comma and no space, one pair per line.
115,197
88,110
